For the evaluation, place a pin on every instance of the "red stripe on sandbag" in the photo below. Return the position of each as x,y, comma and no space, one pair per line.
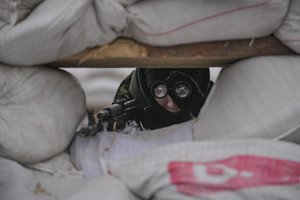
202,20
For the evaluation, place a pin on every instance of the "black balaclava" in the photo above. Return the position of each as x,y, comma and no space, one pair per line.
198,79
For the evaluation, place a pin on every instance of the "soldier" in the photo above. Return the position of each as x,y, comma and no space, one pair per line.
162,97
153,98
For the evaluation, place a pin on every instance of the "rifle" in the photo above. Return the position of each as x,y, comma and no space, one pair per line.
111,118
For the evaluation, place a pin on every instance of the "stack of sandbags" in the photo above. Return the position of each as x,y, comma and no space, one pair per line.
254,98
53,29
40,111
41,108
288,32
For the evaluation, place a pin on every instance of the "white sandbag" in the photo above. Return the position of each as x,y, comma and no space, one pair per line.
40,111
19,183
88,153
13,11
236,169
289,30
254,98
171,22
56,29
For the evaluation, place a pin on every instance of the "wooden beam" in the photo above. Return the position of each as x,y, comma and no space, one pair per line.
127,53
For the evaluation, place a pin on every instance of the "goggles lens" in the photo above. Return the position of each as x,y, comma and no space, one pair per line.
160,90
183,90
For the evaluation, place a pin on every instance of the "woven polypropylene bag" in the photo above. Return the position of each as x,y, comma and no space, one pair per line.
40,109
289,30
254,98
229,169
171,22
20,183
56,29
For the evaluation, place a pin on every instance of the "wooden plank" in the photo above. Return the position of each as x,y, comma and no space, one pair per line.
127,53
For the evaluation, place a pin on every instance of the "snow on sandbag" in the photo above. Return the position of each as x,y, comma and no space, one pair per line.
254,98
232,169
20,183
40,111
56,29
171,22
289,31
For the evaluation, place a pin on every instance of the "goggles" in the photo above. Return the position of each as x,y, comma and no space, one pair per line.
182,90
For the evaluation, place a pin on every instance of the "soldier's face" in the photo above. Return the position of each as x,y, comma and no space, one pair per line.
168,104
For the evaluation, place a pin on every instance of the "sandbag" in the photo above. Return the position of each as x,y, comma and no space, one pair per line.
288,32
40,111
253,98
88,153
232,169
172,22
20,183
56,29
13,11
